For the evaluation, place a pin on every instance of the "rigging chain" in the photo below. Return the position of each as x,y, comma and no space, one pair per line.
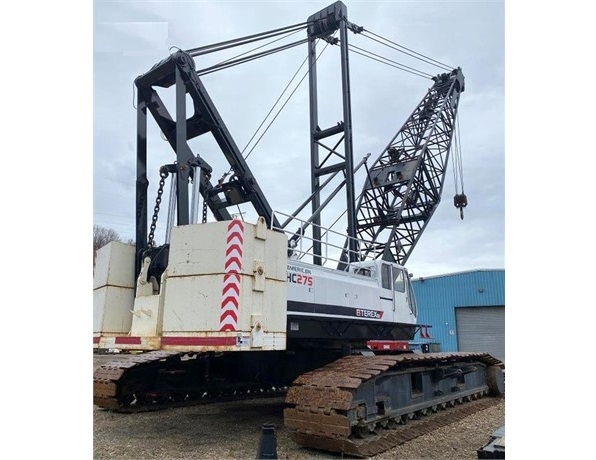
163,174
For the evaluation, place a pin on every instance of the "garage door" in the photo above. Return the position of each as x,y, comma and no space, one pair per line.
481,329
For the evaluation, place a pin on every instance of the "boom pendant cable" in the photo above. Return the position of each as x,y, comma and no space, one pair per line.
388,61
243,60
259,47
244,40
412,53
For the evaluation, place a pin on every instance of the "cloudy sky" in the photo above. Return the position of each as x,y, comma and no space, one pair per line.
130,37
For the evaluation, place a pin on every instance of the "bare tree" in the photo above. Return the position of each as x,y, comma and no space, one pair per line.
102,236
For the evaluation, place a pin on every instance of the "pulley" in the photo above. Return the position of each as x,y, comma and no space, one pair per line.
460,200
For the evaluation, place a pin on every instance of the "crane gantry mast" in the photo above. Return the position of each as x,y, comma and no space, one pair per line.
402,188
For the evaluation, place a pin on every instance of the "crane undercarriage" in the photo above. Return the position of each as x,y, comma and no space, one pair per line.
358,405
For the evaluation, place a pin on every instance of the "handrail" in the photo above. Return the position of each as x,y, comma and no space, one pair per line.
300,244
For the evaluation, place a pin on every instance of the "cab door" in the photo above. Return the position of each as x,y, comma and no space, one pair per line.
387,294
395,294
401,296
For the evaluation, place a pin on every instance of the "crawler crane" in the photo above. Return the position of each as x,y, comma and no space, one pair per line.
231,309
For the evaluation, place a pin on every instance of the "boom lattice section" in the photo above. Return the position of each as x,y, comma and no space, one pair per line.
404,185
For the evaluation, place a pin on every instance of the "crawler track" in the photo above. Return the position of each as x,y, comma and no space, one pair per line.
110,380
386,439
165,379
363,405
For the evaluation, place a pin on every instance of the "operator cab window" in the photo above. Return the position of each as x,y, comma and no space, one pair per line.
386,276
412,297
363,272
399,284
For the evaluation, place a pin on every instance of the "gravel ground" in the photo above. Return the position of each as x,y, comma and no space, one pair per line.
232,431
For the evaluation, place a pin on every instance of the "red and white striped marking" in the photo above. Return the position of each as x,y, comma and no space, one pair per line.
230,294
210,341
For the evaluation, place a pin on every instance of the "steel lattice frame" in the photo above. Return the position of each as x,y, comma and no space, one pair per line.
404,185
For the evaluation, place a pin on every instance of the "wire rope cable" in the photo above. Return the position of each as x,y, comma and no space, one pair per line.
273,106
261,46
409,52
228,64
285,103
458,172
279,111
387,61
244,40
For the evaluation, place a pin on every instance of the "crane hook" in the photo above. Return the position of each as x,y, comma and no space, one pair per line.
460,201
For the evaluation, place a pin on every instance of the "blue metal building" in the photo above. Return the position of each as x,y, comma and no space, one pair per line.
466,310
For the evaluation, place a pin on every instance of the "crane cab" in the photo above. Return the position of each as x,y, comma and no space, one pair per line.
394,286
372,299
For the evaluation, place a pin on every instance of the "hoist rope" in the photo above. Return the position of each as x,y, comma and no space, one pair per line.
458,172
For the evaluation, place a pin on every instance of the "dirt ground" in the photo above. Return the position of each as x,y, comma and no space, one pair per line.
232,430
